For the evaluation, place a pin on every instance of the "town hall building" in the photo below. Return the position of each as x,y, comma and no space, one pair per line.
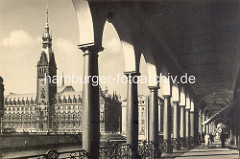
55,108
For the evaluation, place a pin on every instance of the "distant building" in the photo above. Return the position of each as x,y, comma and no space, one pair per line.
143,119
110,112
58,109
1,102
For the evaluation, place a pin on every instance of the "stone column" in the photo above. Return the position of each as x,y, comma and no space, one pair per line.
207,128
187,111
210,128
176,124
132,112
183,124
236,126
167,123
91,112
153,116
192,123
203,120
160,122
182,105
213,128
200,123
231,137
193,134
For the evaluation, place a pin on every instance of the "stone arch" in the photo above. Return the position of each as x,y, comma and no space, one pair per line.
130,52
220,119
188,101
152,68
165,81
90,23
223,98
182,97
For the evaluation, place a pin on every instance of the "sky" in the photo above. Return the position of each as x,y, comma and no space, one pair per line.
22,24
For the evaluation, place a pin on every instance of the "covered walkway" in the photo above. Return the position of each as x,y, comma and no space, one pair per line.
199,38
214,151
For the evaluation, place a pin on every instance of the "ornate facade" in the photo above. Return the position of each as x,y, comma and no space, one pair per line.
52,108
143,116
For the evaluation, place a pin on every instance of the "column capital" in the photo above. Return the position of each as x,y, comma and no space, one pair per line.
182,106
90,48
176,102
167,96
132,73
153,88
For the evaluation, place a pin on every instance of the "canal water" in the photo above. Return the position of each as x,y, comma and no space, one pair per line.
18,152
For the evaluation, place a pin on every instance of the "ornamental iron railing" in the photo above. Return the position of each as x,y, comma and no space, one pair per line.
146,150
53,154
117,151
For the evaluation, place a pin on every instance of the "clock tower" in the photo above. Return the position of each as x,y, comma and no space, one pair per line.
46,70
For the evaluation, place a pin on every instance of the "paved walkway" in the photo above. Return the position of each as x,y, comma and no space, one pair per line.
213,151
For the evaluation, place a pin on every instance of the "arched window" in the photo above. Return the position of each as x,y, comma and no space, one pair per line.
64,99
79,99
14,101
69,99
18,102
74,99
10,101
59,99
23,101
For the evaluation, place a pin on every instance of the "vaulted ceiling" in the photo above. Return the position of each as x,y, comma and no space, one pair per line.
200,38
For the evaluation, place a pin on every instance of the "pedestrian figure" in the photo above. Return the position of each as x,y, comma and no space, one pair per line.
223,138
206,139
200,138
203,135
211,137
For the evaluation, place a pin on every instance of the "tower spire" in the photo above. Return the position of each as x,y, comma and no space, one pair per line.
47,13
63,80
47,25
47,38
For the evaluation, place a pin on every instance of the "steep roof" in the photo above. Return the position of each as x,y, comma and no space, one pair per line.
43,59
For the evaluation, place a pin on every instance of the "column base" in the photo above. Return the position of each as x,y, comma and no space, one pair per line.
231,142
169,148
189,142
183,142
176,143
178,146
156,152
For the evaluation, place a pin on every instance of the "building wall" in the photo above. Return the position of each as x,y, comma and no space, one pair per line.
52,108
26,116
143,116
